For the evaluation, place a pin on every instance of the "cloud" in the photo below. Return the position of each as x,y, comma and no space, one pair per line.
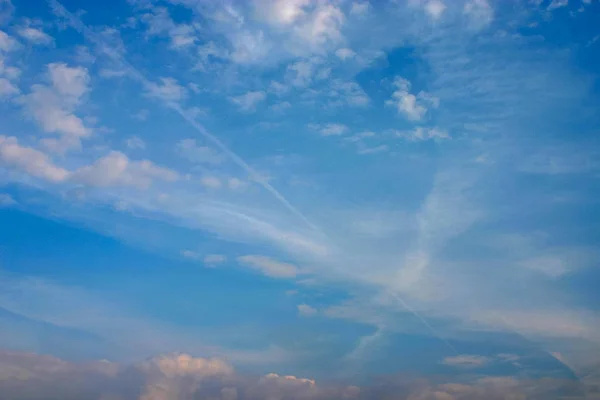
554,4
7,43
413,107
435,8
345,53
28,376
214,259
7,89
167,90
305,310
249,101
36,36
269,267
330,129
373,150
479,12
211,182
52,107
466,361
30,161
135,143
421,134
115,169
6,200
159,23
189,149
360,8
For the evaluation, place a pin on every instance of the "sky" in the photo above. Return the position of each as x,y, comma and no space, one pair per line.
336,190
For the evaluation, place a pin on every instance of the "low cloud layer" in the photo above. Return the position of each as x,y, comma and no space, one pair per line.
26,376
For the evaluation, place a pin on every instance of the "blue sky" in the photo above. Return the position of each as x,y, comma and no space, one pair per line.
333,189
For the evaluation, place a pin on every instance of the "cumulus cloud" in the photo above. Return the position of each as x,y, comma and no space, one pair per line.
53,106
29,160
420,134
7,89
344,53
26,376
249,101
269,267
7,43
413,107
115,169
135,142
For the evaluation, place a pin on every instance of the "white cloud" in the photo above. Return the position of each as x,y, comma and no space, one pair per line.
11,73
300,73
249,101
285,12
235,183
167,90
190,149
360,8
30,161
115,169
373,150
214,259
435,8
413,107
269,267
278,88
323,28
558,4
191,254
281,106
7,43
347,92
6,200
35,36
479,12
52,107
159,23
141,115
211,182
345,53
7,89
330,129
420,134
135,142
306,311
466,361
249,47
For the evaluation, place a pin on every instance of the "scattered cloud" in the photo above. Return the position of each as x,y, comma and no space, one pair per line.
6,200
36,36
435,9
167,90
7,89
306,311
211,182
466,361
413,107
479,12
330,129
345,53
269,267
213,260
190,149
115,169
421,134
7,43
135,142
360,8
29,160
554,4
249,101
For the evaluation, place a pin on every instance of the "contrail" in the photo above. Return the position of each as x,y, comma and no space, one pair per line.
416,314
133,72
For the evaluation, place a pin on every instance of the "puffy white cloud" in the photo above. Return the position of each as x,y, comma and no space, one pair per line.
29,160
159,23
558,4
52,107
249,101
305,310
435,8
35,36
269,267
249,47
466,361
413,107
190,149
115,169
184,364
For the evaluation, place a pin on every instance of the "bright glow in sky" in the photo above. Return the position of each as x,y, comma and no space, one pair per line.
336,190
